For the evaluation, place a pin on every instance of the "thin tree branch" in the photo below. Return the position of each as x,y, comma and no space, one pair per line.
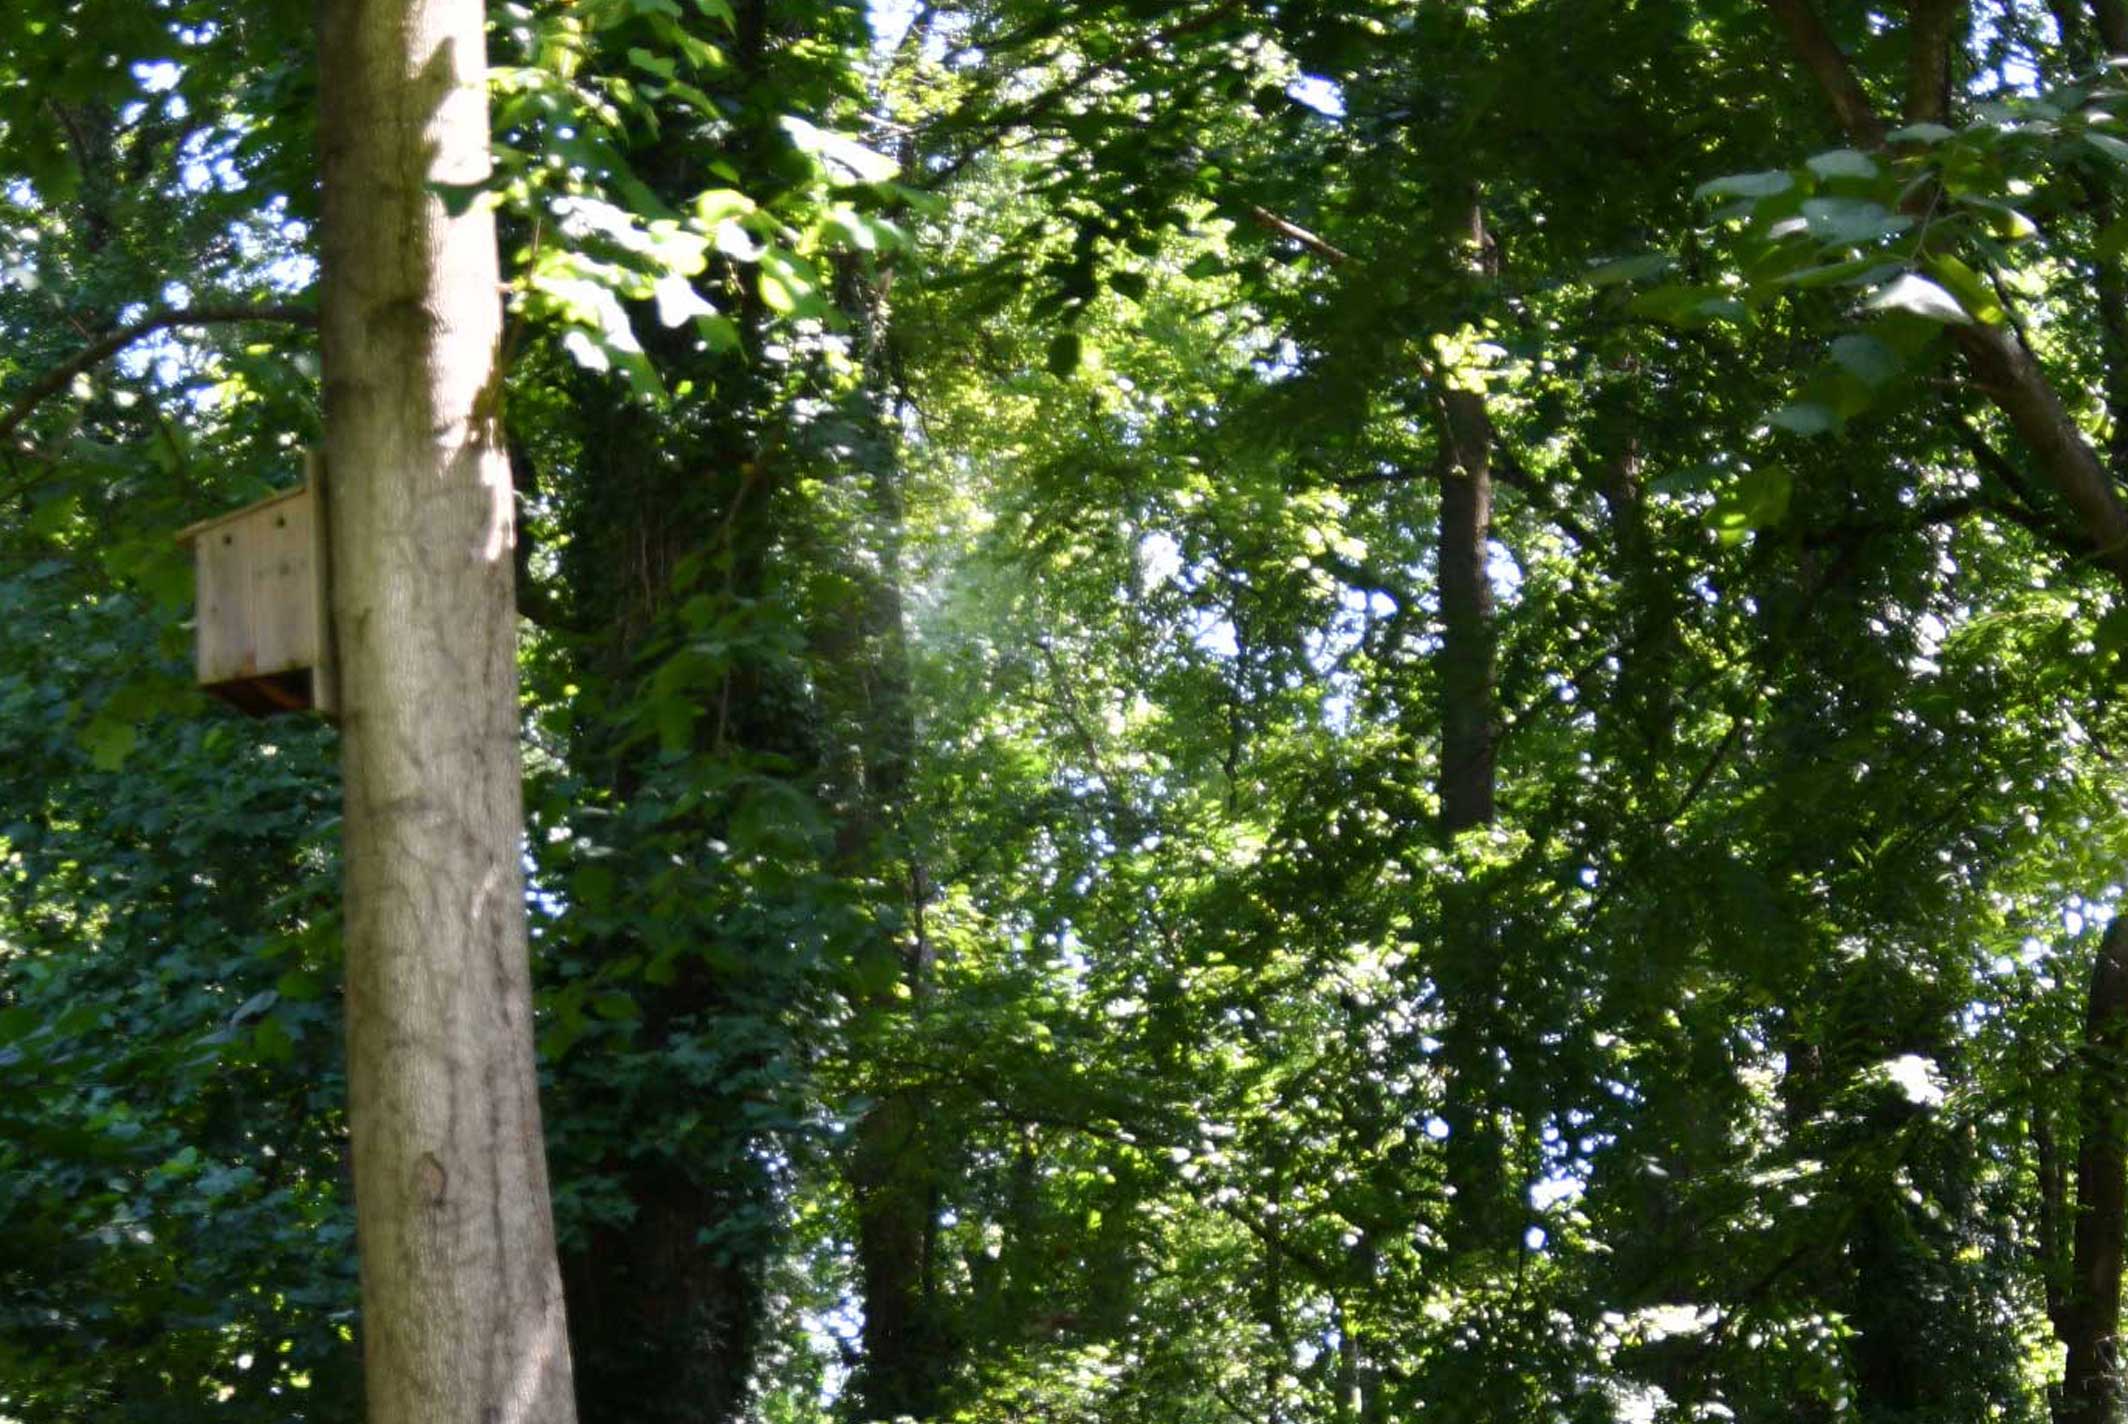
58,377
1835,76
1510,471
1705,776
1264,218
2012,378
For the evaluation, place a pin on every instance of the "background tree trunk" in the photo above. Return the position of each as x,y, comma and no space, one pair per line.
2091,1383
1470,978
462,1307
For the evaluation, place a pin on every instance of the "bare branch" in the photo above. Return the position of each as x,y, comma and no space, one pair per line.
1272,222
57,379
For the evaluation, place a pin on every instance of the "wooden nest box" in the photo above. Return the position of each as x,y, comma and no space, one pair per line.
264,639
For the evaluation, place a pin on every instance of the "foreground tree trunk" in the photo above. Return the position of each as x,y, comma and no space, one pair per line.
462,1312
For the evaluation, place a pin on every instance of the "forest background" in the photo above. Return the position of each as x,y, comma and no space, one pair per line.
1233,711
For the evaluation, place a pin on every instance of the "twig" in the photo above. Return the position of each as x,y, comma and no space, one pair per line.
1287,228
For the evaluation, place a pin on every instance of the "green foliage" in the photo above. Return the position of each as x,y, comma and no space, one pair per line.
984,697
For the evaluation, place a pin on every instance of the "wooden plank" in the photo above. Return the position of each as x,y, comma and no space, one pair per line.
325,673
192,532
226,649
284,590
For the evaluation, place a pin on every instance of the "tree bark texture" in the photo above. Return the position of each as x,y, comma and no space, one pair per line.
1936,35
1822,56
894,1167
1467,632
2111,17
1469,978
2091,1383
462,1310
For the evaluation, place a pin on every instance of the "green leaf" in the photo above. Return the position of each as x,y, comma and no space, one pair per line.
109,742
256,1005
2107,144
1630,269
1844,221
1758,500
718,333
1973,293
1856,270
1690,480
300,986
2004,222
459,197
717,206
615,1007
592,887
1921,133
677,300
1746,185
1842,163
776,294
272,1040
1066,353
1805,418
657,64
52,515
859,163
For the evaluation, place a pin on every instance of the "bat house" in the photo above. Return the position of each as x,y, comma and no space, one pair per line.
264,629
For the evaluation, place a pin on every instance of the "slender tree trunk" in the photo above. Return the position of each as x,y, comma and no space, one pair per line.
892,1185
894,1171
1469,979
1936,29
462,1310
2111,17
2053,1219
2091,1383
893,1168
1467,731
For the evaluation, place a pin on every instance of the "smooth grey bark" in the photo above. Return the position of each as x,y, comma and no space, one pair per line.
462,1317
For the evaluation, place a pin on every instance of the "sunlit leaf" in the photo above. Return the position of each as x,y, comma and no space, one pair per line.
1746,185
1917,295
